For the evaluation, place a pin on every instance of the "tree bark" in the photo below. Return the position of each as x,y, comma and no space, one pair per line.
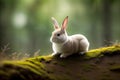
107,22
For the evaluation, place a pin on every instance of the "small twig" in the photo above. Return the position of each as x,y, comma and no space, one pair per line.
4,49
36,53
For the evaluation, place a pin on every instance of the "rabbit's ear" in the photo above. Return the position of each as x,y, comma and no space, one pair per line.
55,23
64,24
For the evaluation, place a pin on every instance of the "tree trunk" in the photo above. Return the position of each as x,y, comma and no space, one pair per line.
2,27
6,10
107,23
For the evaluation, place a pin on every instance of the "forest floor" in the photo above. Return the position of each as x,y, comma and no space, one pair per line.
77,68
96,64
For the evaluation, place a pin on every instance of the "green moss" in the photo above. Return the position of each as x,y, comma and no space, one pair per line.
115,68
34,66
37,66
102,51
23,65
41,58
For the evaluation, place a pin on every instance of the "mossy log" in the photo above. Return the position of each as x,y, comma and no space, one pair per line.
74,67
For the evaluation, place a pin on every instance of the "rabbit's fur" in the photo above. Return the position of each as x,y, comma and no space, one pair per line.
66,45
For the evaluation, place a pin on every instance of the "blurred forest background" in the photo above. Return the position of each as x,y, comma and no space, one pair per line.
26,26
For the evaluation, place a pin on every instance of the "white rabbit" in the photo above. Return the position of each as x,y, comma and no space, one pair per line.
66,45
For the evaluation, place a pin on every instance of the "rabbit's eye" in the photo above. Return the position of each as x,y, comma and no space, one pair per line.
58,34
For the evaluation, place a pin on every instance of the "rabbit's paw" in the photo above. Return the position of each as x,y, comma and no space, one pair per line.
63,55
82,53
55,54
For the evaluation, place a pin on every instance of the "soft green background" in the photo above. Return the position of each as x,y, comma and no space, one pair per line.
26,26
